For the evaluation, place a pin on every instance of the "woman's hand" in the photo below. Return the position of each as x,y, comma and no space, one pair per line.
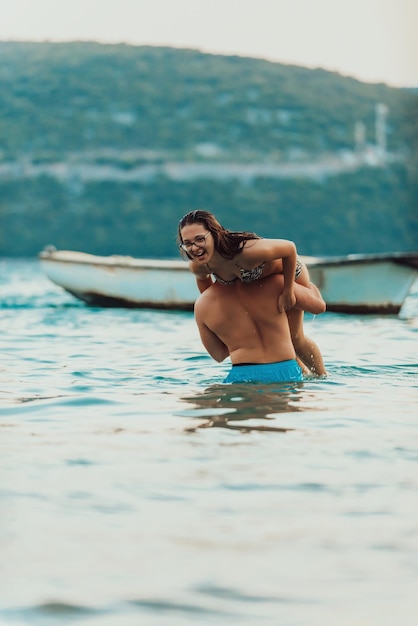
286,301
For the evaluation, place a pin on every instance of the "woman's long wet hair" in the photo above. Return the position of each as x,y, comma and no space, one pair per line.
227,242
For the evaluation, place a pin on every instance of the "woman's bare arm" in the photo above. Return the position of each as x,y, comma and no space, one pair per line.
203,279
259,250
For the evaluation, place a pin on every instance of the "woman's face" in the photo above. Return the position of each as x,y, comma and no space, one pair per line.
198,242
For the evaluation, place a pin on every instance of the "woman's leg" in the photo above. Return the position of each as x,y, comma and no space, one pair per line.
306,349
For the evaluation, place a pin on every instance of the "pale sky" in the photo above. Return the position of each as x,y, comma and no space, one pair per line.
372,40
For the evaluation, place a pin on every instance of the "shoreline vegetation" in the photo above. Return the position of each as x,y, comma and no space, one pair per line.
104,147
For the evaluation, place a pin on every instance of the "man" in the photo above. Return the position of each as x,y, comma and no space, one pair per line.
242,321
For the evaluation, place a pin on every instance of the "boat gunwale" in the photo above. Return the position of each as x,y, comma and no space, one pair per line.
409,259
116,261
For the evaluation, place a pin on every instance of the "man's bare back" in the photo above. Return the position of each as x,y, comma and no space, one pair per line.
243,321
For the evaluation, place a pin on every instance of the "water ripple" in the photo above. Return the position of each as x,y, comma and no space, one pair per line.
137,488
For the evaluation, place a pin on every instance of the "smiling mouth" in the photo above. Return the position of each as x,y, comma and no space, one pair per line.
200,254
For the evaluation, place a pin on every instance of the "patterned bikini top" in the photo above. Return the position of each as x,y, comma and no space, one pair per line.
249,276
246,276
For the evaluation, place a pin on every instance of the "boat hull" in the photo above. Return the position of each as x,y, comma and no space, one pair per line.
122,281
352,284
368,286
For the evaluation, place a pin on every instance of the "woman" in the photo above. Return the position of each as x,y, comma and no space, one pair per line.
227,256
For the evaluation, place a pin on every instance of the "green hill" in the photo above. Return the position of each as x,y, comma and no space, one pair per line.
104,147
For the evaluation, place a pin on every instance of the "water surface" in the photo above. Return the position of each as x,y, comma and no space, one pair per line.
136,488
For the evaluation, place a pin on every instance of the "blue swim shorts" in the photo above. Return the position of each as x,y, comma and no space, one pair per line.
280,372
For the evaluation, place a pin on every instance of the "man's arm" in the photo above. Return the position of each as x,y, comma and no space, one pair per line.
214,346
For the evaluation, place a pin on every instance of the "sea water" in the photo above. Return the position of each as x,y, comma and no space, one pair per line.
136,488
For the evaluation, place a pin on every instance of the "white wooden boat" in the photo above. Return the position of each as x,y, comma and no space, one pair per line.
357,283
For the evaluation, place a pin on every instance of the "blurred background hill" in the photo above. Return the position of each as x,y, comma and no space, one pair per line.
104,147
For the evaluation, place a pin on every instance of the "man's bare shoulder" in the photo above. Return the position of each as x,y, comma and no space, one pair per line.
202,302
